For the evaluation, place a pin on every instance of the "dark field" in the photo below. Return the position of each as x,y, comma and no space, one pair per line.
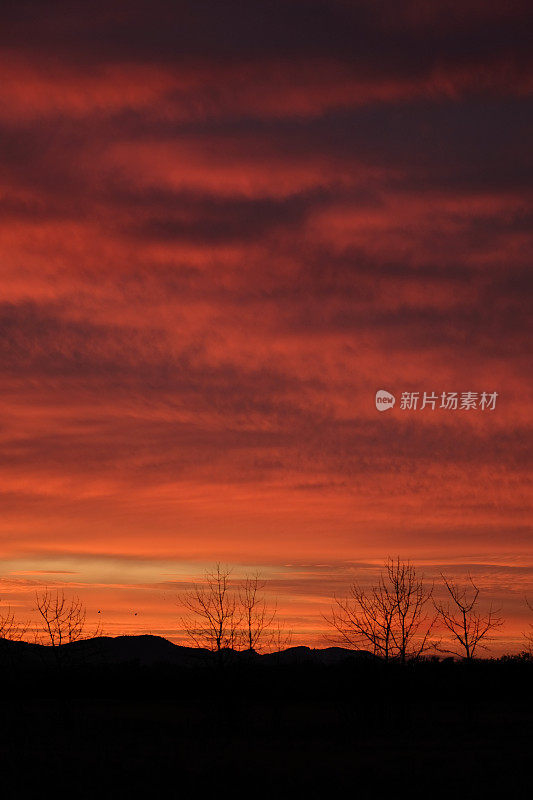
367,729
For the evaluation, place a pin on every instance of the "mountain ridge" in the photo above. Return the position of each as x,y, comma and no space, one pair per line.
147,649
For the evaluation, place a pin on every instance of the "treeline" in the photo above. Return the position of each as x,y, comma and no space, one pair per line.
398,619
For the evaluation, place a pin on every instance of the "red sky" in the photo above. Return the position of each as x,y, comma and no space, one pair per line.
223,227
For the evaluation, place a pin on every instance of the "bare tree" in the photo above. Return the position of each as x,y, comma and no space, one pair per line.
529,636
212,618
63,619
468,627
10,627
281,637
390,617
257,617
412,626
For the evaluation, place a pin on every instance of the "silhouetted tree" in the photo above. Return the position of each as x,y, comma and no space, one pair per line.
390,617
281,637
257,617
62,619
10,627
461,618
262,630
213,616
529,636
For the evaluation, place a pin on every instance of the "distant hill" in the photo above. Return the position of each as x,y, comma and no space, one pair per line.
308,655
148,650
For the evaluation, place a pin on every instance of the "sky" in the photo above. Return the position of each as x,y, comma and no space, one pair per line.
223,228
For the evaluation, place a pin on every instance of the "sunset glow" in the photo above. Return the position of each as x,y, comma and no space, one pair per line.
221,232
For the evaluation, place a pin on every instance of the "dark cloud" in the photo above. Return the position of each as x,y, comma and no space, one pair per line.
189,218
374,37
